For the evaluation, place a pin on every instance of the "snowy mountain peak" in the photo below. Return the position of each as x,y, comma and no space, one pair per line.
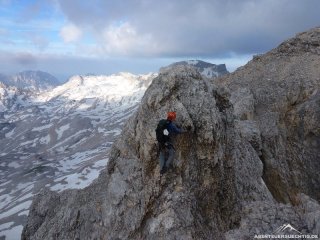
125,74
113,87
31,80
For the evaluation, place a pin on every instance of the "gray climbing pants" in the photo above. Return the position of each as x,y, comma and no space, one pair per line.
166,156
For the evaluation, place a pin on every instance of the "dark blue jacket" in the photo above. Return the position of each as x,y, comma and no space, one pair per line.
173,129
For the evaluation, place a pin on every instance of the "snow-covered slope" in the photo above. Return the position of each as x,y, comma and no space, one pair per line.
12,98
60,139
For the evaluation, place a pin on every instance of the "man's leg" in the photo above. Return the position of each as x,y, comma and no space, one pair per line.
162,158
169,162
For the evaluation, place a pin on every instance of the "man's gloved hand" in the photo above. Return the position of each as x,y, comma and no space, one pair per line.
189,128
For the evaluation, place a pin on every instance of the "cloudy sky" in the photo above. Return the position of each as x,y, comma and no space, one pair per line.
66,37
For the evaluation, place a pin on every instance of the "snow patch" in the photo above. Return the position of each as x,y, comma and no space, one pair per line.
60,130
41,128
14,165
6,225
81,179
45,140
115,132
9,134
24,213
13,233
22,206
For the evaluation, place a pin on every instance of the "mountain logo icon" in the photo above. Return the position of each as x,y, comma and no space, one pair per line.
285,227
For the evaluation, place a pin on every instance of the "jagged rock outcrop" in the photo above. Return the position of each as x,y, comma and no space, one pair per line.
206,69
277,94
254,143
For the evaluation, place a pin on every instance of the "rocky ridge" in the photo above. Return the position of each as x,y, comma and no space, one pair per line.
249,165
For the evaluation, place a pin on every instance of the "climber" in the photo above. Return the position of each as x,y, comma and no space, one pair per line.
164,132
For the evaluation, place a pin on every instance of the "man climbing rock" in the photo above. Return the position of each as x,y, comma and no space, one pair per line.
166,129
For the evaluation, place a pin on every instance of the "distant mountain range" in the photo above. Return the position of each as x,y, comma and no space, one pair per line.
15,90
30,80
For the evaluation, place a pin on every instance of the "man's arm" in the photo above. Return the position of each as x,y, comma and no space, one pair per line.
174,129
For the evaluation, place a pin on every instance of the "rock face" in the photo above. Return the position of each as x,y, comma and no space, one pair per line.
249,165
277,94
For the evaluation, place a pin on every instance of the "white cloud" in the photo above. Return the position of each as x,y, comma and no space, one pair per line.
207,28
124,39
159,32
70,33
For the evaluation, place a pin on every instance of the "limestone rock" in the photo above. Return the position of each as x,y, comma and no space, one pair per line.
263,217
282,98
